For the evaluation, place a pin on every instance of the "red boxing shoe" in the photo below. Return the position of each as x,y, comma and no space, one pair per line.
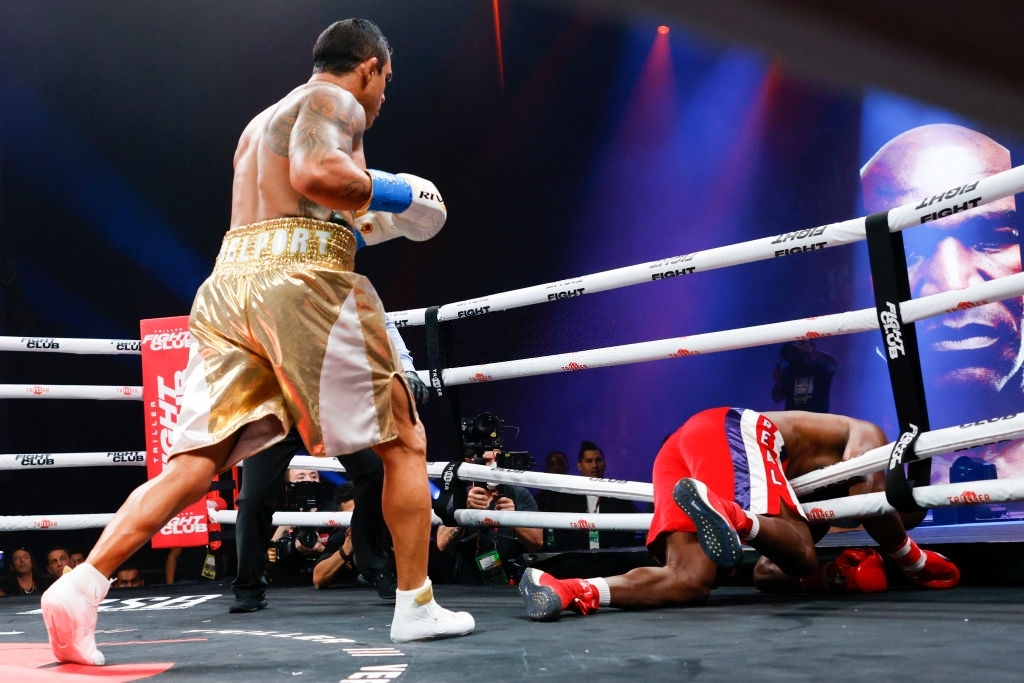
546,597
857,570
938,572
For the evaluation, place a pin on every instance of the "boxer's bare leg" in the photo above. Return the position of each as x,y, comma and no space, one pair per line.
406,497
184,480
407,511
70,605
686,578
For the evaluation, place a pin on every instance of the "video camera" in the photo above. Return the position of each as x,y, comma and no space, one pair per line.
300,496
481,434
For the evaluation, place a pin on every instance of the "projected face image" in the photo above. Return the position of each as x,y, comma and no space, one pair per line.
978,347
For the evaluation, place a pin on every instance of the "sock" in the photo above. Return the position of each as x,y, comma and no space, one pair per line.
419,596
603,592
909,557
755,527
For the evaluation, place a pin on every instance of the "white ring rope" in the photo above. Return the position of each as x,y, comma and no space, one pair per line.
76,391
54,522
567,483
39,461
760,335
66,345
980,492
281,518
961,198
929,444
637,521
850,507
987,190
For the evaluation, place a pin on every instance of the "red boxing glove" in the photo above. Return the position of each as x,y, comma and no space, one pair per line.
858,570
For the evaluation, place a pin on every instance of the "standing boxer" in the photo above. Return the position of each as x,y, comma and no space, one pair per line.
283,333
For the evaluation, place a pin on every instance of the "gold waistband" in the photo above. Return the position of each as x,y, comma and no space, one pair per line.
287,242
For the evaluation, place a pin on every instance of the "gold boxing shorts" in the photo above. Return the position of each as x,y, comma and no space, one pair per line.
284,332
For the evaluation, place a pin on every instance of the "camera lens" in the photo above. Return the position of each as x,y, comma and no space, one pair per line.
307,538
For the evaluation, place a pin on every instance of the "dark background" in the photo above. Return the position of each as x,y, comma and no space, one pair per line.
585,147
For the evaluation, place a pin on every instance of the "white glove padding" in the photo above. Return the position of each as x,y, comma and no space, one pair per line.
426,215
376,227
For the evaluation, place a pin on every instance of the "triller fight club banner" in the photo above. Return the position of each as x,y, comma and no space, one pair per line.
165,344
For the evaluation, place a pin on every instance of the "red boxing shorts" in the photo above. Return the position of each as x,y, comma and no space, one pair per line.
736,453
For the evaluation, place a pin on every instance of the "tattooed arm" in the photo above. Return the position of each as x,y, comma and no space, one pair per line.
325,147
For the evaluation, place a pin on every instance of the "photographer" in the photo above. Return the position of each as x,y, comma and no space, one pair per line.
294,550
489,555
335,565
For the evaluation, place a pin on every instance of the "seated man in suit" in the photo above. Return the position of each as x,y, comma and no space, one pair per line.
591,463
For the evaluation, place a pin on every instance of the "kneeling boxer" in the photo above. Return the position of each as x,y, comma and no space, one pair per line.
718,483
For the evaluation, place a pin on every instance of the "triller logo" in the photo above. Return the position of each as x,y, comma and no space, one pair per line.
820,513
583,524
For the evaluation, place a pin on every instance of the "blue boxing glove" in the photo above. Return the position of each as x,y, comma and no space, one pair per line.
415,204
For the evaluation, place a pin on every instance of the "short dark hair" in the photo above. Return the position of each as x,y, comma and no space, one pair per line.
346,492
347,43
588,446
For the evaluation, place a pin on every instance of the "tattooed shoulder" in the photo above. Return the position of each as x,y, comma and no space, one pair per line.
278,131
340,108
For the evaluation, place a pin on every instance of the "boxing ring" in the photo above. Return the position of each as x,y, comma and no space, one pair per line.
342,633
938,442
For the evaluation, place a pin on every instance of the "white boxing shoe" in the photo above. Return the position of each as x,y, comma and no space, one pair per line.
419,617
69,611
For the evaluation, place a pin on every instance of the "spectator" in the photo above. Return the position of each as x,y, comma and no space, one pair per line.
128,576
294,550
556,463
23,579
335,565
56,560
803,377
590,462
171,565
